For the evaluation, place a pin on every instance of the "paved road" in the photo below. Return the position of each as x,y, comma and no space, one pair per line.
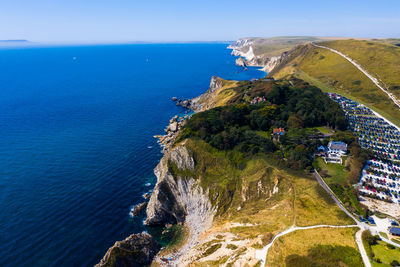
361,225
372,78
338,202
261,254
361,248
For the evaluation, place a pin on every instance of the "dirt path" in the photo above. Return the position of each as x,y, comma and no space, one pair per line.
372,78
261,254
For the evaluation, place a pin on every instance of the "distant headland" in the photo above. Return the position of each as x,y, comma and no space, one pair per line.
15,41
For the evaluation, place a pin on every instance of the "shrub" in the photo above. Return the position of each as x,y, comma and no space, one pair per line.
395,263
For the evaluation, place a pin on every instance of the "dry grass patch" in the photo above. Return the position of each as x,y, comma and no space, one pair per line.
327,240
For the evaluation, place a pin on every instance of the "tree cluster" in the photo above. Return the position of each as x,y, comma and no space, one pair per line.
248,128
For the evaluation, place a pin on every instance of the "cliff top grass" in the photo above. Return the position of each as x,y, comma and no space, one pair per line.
386,254
380,253
275,46
219,97
261,186
332,73
381,59
270,199
316,247
243,168
258,198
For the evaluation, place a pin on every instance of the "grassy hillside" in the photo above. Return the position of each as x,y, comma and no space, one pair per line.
260,200
218,97
331,72
248,182
275,46
316,247
380,59
261,186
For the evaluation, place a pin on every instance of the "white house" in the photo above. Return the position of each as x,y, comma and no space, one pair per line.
337,147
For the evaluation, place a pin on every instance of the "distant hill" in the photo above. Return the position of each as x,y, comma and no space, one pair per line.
14,41
266,52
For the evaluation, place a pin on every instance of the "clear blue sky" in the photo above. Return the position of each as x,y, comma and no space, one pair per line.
203,20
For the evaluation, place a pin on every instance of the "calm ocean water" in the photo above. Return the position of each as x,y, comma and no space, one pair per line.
77,146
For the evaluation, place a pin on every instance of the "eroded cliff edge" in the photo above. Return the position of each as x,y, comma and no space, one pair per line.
179,198
244,49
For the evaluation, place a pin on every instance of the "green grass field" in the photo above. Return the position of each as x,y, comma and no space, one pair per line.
384,235
248,183
275,46
385,254
335,175
380,59
332,173
325,130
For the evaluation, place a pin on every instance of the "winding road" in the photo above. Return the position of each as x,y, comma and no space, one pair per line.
261,254
372,78
361,225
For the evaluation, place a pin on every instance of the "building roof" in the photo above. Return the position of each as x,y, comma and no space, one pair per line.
395,230
337,145
280,131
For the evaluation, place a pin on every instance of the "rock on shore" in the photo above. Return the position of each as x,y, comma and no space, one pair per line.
241,62
138,208
171,132
135,250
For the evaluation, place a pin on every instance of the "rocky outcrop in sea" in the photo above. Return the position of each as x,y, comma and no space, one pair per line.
137,209
137,250
241,62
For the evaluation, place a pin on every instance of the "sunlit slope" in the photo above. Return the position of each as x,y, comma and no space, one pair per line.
333,73
275,46
380,59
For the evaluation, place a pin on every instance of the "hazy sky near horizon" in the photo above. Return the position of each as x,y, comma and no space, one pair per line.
206,20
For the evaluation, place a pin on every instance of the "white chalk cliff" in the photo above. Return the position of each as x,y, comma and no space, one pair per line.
245,48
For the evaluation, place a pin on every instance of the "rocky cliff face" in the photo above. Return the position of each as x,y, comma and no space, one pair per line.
215,83
206,100
243,48
178,199
135,250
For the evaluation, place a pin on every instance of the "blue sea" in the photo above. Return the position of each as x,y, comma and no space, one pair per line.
76,141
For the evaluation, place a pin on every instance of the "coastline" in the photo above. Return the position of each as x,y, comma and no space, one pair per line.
172,131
